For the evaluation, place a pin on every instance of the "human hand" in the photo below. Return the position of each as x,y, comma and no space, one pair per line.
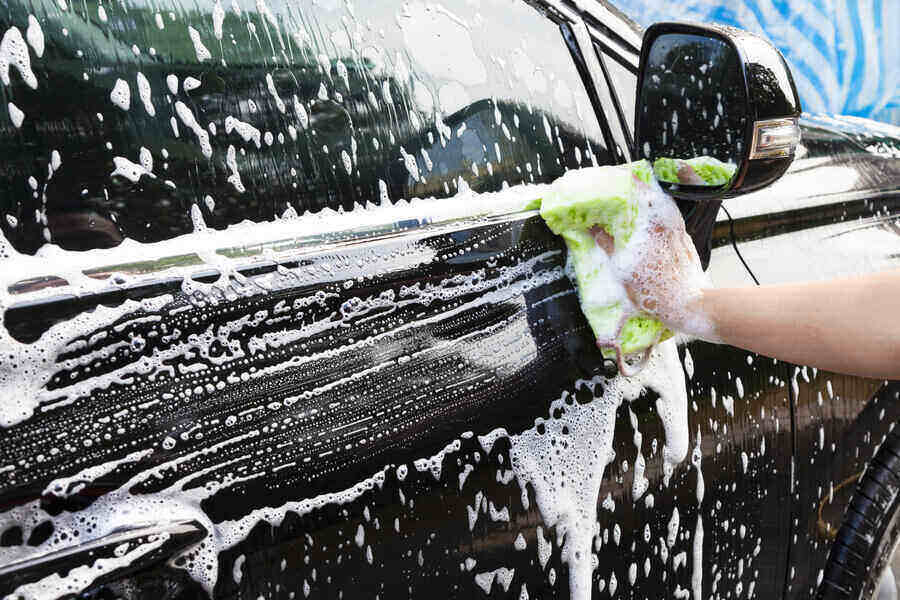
687,175
659,267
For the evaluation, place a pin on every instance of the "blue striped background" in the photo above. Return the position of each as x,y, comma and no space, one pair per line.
845,54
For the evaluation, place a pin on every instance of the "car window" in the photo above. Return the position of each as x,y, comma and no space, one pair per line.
143,122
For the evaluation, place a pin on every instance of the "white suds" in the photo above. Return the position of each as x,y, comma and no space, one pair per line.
688,363
520,543
697,573
247,131
121,94
202,52
640,484
567,484
544,547
270,85
15,115
191,84
300,111
672,527
218,16
129,170
35,36
172,83
237,571
14,52
146,159
728,404
145,94
68,486
187,117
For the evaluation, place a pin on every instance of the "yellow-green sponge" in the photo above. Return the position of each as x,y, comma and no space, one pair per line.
606,197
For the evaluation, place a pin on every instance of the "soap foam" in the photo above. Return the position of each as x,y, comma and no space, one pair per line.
15,115
564,458
14,52
202,52
660,265
145,94
35,36
187,117
121,94
23,380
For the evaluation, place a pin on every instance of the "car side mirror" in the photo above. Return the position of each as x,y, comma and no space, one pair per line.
716,110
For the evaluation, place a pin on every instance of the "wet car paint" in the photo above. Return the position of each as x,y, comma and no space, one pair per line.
513,352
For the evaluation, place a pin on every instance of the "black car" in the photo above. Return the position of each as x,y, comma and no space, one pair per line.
278,321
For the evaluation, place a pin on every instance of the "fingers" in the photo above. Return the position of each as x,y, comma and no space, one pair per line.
603,239
687,174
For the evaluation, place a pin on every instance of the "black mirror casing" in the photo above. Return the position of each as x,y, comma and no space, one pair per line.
772,110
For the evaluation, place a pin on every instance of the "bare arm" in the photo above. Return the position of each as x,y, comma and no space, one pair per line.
846,325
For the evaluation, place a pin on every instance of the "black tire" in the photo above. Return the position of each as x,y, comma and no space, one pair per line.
870,530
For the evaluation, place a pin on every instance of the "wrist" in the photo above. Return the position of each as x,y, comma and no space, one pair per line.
695,316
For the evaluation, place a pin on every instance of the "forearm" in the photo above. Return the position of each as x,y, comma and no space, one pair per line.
845,325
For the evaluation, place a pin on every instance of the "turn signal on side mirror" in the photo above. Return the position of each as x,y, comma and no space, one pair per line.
775,138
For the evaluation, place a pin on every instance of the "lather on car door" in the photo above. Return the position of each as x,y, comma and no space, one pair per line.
286,405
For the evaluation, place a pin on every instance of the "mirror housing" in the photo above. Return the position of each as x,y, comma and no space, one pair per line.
756,133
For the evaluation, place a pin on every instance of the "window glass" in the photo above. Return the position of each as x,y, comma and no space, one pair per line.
137,120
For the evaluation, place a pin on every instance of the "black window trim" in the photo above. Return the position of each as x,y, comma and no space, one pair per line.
626,125
578,58
566,14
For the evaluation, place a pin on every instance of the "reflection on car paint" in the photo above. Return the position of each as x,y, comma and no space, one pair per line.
231,404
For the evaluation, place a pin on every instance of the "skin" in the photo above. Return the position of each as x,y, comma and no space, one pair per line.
849,325
843,325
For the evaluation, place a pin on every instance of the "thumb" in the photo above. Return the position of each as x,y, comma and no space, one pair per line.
603,239
687,175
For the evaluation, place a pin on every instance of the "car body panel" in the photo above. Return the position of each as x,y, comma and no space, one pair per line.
334,400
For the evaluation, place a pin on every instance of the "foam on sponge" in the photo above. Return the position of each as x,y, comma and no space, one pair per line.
616,200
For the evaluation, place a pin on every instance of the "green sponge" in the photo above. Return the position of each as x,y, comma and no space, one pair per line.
599,196
713,171
604,197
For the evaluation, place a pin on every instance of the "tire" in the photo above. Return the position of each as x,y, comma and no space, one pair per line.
870,531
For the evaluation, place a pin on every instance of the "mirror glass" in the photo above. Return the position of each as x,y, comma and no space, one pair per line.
693,110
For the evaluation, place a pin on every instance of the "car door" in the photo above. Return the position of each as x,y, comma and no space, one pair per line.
205,393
